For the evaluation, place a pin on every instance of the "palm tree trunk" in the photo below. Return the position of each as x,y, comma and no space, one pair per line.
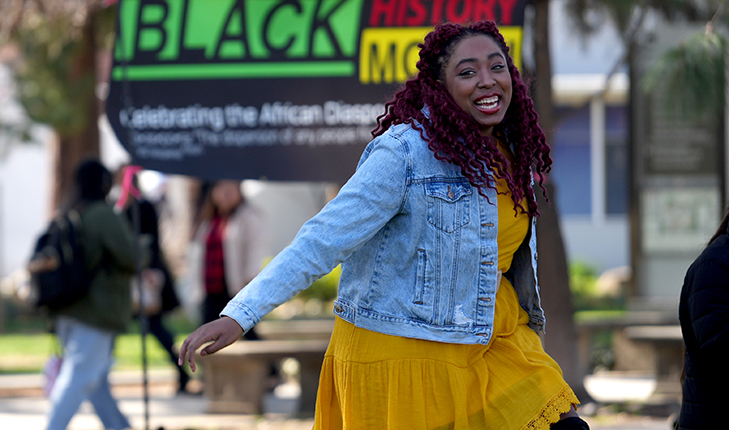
71,149
561,338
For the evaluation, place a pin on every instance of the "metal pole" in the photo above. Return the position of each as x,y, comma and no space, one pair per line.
143,320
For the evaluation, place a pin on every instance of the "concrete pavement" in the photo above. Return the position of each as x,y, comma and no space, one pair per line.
23,407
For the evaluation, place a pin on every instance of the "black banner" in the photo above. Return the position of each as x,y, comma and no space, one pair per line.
277,89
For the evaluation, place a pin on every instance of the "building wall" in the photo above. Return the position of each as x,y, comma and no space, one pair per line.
603,247
24,183
24,203
604,241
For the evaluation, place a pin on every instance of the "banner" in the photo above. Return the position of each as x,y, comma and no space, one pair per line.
276,89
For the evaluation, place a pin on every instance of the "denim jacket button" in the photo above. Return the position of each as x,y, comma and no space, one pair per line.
338,308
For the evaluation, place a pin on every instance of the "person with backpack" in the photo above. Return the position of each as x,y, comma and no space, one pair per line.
87,327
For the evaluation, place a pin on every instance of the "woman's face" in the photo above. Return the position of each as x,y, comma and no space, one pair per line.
226,196
478,79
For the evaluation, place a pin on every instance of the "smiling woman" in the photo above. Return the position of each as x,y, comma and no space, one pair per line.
438,308
478,79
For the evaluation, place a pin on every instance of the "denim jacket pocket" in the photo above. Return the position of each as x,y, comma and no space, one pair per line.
448,204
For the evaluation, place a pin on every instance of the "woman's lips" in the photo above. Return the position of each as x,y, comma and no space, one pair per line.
488,104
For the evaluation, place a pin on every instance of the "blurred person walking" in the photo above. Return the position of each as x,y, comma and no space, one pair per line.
158,296
704,315
87,328
227,249
438,311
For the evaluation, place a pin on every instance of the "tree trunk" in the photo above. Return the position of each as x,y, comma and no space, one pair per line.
543,72
70,151
561,339
73,148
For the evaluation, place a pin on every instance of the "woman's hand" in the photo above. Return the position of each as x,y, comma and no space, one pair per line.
221,332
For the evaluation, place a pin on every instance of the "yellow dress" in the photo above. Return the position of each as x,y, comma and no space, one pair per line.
371,380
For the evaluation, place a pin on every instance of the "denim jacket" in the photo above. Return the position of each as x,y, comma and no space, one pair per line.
417,243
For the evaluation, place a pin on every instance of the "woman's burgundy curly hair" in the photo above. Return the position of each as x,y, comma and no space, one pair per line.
453,135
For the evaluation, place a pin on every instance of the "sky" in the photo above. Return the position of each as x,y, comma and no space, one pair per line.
573,54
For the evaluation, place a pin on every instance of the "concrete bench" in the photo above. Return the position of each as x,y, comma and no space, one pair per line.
640,326
657,349
235,377
296,329
642,342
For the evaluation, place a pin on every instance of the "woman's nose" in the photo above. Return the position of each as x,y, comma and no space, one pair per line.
486,80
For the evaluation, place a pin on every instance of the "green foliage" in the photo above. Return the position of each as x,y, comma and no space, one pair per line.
583,278
55,70
589,316
585,294
324,288
588,16
690,77
46,88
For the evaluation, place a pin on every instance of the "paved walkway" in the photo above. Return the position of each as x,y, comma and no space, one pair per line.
23,407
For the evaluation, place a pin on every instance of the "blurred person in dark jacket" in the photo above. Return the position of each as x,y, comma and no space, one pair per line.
704,316
87,329
158,295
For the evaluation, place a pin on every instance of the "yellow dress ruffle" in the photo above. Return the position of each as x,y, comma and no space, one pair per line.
374,381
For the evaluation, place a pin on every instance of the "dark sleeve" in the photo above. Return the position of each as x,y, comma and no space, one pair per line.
708,308
148,227
117,239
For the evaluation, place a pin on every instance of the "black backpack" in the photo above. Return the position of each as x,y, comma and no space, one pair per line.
58,273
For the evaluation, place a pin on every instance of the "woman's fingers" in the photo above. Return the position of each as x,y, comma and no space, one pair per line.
188,347
221,332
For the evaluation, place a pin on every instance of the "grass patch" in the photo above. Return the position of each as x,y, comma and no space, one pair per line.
24,353
27,352
598,315
128,352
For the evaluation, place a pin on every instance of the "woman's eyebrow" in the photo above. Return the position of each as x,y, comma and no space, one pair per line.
466,60
473,60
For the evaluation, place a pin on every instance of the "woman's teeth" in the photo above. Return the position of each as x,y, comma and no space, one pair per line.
488,103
